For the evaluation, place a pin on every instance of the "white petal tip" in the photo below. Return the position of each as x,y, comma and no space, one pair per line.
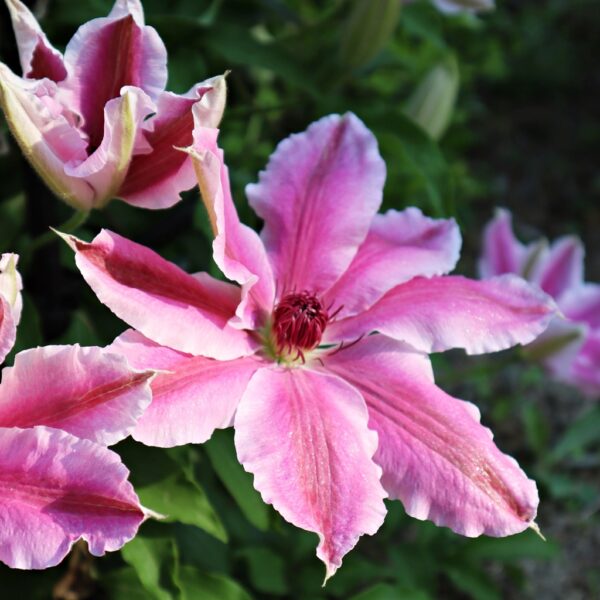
534,526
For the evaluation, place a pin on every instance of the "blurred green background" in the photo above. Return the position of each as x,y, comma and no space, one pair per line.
471,113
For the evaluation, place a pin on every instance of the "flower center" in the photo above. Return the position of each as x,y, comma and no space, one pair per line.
299,321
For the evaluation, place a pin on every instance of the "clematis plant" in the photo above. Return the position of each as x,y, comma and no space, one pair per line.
570,348
97,122
330,416
11,302
58,481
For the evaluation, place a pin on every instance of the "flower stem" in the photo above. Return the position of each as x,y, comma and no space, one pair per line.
75,221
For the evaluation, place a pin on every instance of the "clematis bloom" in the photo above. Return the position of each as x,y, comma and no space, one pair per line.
329,418
82,119
58,481
11,302
570,348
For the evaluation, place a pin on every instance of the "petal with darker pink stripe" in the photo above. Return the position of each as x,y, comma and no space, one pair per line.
435,455
55,489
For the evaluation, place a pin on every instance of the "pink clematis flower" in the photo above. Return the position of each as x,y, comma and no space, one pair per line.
328,418
11,302
82,119
58,481
570,348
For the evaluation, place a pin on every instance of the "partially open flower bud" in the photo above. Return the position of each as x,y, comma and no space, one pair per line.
432,103
368,28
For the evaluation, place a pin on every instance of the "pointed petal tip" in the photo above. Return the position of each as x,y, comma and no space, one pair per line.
69,239
535,527
151,514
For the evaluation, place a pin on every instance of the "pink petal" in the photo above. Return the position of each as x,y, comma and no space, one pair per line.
237,249
106,169
156,179
11,283
44,134
8,328
440,313
561,267
582,304
110,53
502,252
11,302
196,396
185,312
585,373
399,246
97,396
436,457
55,489
304,437
558,347
38,57
317,197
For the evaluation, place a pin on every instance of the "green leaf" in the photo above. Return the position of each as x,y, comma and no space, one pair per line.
170,489
155,561
536,427
238,482
124,584
583,432
510,549
419,167
80,331
473,582
196,585
383,591
266,570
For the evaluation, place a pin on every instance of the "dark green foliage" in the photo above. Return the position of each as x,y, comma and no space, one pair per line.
523,135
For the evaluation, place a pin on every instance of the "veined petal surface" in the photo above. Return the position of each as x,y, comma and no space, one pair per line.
38,57
435,455
88,392
45,135
193,397
156,179
107,54
399,246
184,312
304,437
317,197
237,249
56,488
106,169
440,313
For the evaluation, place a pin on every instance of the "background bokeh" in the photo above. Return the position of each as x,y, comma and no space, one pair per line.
515,111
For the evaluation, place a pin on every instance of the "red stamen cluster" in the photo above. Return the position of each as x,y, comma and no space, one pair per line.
299,321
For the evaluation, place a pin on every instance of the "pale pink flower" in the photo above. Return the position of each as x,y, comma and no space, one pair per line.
11,302
59,408
82,119
570,347
288,358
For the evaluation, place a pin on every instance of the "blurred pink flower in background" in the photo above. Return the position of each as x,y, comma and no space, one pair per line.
11,302
570,347
59,408
329,418
82,119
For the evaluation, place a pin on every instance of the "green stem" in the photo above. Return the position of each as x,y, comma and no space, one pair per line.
75,221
